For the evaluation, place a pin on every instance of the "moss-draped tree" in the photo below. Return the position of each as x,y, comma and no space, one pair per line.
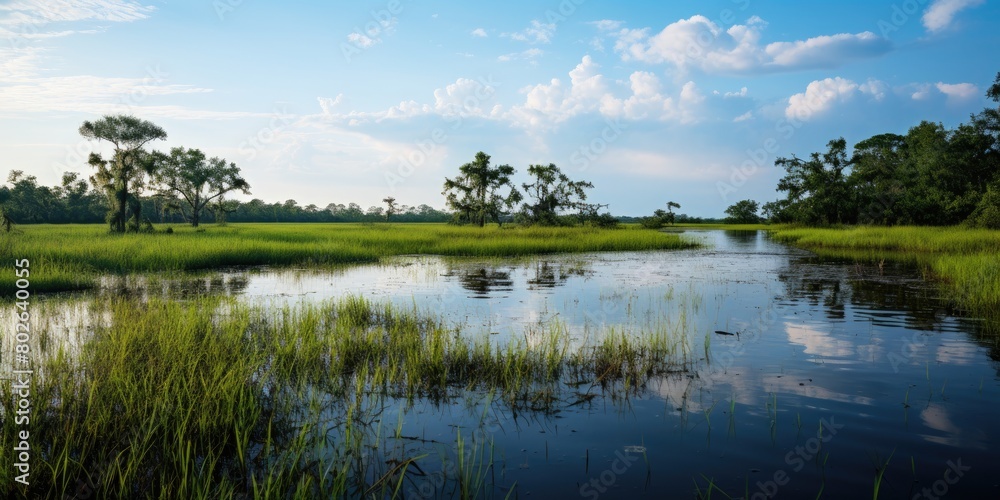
123,176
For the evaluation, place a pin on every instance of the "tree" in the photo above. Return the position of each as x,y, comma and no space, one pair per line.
475,193
551,192
122,177
818,192
194,181
390,207
668,218
743,212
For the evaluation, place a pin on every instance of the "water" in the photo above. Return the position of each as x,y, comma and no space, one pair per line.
837,368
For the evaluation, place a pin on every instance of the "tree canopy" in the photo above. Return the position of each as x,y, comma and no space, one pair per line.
123,176
551,193
476,193
190,181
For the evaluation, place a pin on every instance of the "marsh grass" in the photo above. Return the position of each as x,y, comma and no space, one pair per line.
210,398
964,261
72,257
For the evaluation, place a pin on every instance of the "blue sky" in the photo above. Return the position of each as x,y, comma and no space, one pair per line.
338,102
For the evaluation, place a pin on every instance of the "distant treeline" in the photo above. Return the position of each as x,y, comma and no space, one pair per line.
930,176
74,202
27,202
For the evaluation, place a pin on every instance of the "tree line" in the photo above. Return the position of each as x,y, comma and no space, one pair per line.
25,201
932,175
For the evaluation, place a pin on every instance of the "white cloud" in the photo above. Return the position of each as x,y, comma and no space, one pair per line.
940,15
744,117
875,88
538,32
33,13
820,96
607,25
958,91
700,43
742,93
531,53
328,105
373,35
549,104
361,40
89,94
479,32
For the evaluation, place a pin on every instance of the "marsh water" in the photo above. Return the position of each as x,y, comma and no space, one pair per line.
830,374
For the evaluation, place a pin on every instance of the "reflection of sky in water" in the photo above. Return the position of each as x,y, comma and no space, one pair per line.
878,353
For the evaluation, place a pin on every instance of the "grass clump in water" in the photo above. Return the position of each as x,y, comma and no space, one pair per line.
210,398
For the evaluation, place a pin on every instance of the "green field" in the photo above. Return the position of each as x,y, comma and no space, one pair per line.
965,261
72,257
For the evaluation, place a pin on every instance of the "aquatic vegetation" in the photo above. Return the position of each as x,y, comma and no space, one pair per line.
210,398
963,260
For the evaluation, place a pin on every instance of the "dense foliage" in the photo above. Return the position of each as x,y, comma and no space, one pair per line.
929,176
26,202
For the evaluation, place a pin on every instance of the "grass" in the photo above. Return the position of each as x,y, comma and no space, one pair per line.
210,398
963,260
71,257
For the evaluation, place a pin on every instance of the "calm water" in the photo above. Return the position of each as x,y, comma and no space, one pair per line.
836,369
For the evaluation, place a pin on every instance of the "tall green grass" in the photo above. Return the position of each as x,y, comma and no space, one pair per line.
211,398
73,256
965,261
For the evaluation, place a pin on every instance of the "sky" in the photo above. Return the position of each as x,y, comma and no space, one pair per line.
338,102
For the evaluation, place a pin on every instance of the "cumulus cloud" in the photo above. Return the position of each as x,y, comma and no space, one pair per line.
479,32
537,32
958,91
700,43
328,105
742,93
940,15
823,95
588,91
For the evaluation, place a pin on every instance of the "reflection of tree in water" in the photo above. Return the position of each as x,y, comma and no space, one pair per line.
175,287
741,238
893,296
486,280
550,275
482,281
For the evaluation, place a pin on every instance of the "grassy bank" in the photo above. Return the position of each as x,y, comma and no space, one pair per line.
71,257
965,261
214,399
